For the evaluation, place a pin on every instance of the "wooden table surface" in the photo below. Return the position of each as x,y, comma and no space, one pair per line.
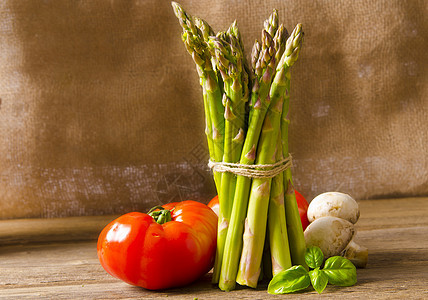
56,259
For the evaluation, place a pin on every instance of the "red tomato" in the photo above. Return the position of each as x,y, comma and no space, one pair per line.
303,209
214,205
301,203
140,251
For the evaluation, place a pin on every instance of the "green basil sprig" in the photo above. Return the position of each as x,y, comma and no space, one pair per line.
340,271
291,280
319,279
314,257
337,271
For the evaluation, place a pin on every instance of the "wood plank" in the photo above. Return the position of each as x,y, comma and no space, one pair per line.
24,231
392,213
58,270
397,268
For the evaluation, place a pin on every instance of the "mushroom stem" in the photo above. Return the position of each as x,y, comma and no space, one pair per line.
357,254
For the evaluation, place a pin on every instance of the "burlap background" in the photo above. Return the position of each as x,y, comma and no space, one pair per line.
101,108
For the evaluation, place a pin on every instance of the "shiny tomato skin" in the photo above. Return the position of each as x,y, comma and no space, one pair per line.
141,252
303,205
214,205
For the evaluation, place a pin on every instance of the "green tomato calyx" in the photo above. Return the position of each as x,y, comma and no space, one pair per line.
160,214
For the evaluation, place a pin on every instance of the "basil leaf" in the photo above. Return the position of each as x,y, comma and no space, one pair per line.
319,279
314,257
340,271
291,280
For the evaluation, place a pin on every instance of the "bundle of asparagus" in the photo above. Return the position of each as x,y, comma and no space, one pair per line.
246,112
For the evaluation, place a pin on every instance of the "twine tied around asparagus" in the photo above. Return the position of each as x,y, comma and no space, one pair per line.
252,171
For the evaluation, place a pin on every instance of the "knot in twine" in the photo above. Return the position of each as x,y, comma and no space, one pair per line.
252,171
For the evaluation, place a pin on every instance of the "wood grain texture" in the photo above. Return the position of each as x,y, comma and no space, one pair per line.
25,231
394,231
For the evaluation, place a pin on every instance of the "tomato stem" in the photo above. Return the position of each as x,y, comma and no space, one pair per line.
160,214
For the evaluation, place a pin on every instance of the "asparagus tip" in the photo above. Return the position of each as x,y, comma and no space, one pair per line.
177,8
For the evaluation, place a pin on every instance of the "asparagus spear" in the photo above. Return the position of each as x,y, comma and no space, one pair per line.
229,61
214,85
271,24
277,221
255,223
279,35
193,39
261,101
234,31
277,224
294,225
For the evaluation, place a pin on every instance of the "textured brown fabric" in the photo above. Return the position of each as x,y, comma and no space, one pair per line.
101,109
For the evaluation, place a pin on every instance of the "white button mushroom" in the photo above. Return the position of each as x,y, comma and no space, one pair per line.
334,204
330,234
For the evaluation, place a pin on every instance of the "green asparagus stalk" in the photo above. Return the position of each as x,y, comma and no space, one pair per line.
277,220
266,266
225,47
261,101
277,224
193,39
232,126
255,223
214,86
234,31
294,225
255,55
279,35
207,32
208,124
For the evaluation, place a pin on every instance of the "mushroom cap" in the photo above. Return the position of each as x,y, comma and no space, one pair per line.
330,234
334,204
